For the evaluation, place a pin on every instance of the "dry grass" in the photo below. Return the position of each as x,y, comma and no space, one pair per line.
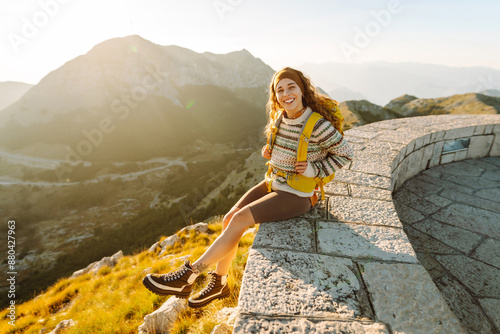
115,301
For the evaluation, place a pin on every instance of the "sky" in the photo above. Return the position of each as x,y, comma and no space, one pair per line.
39,36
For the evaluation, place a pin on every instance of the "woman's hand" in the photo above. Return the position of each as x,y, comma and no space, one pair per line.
300,167
265,153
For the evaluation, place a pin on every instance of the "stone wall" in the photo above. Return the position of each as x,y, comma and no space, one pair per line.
347,266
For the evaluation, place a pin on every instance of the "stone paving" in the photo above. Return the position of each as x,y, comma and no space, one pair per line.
451,214
348,266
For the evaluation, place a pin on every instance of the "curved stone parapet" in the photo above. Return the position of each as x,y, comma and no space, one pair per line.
347,266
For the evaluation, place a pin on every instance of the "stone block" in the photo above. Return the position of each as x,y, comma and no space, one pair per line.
495,147
422,187
401,178
463,306
475,201
461,168
461,155
367,211
423,243
414,162
352,177
479,130
370,192
418,203
295,234
254,324
362,241
336,188
361,133
437,136
469,218
382,147
394,137
373,164
404,296
432,266
481,279
419,142
496,128
447,158
407,214
427,139
434,176
436,154
426,156
410,147
459,133
472,182
488,128
438,200
488,252
278,282
491,307
480,146
455,237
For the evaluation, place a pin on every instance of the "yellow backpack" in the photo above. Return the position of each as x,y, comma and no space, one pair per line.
299,181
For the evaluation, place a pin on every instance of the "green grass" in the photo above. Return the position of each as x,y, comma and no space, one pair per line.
115,301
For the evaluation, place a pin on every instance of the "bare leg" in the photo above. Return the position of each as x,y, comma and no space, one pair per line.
227,241
224,264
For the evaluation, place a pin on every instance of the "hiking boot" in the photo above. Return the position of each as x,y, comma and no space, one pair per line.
178,283
217,288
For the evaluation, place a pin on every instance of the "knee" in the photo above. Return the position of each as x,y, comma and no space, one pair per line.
242,219
228,217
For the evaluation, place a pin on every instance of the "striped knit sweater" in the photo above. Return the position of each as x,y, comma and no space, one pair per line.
327,151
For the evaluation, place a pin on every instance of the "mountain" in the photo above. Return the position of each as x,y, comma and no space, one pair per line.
491,92
10,92
362,112
471,103
379,82
130,99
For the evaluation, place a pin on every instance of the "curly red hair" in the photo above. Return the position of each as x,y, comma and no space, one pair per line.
311,97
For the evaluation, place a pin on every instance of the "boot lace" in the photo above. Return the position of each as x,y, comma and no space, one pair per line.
211,283
175,274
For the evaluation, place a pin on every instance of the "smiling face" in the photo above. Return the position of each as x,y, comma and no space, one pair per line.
289,96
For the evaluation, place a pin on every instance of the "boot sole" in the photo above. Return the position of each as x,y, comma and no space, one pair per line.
157,291
197,305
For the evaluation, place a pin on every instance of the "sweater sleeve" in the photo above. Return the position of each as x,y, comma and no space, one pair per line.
339,151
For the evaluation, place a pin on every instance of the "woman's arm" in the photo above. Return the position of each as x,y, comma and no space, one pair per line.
339,150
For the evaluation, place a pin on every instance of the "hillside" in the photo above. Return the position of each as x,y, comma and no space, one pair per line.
10,92
130,99
362,112
114,300
471,103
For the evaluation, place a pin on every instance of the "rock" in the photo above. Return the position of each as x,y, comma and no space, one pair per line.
94,267
161,320
199,228
222,329
154,247
227,315
65,324
170,241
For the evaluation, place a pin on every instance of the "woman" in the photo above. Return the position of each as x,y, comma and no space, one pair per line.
293,96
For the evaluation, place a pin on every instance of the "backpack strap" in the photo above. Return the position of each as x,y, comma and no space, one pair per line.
305,135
